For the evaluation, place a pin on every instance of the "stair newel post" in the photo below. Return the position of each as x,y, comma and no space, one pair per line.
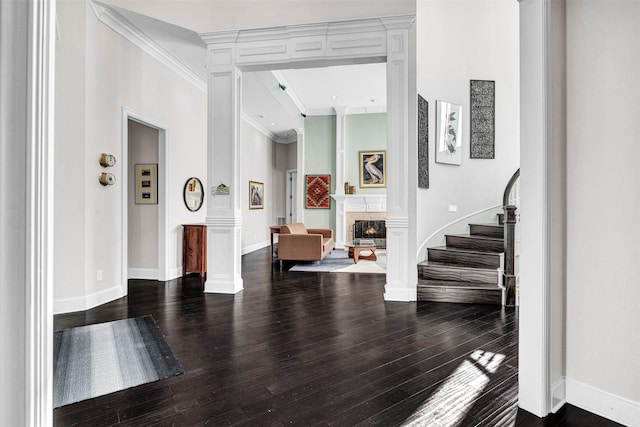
509,278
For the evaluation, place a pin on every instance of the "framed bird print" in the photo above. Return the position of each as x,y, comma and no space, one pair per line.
373,169
448,133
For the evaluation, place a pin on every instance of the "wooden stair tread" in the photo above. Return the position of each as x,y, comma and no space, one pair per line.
454,266
459,285
477,251
477,236
487,224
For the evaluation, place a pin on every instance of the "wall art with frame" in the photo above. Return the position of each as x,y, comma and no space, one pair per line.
448,133
146,183
256,195
373,168
423,143
318,191
482,119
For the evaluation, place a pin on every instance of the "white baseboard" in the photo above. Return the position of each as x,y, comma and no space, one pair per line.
143,273
399,294
558,394
223,287
603,403
175,272
257,246
86,302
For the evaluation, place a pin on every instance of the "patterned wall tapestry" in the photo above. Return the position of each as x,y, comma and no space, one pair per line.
423,143
483,117
318,191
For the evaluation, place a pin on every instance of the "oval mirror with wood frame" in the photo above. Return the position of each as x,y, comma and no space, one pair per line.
193,194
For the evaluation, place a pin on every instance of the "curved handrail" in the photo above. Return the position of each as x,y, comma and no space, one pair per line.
509,187
510,219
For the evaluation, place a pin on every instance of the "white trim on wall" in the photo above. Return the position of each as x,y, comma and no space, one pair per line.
255,247
603,403
143,273
121,25
86,302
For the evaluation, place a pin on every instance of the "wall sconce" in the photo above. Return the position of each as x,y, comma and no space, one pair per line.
107,179
107,160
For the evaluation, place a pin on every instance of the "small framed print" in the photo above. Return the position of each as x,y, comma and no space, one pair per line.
448,133
146,183
373,169
256,195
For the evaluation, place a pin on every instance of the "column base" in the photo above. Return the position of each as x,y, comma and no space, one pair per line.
223,286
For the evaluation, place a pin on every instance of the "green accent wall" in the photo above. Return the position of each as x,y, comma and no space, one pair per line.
320,159
363,132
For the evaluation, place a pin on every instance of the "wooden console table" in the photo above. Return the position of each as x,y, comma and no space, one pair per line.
274,229
194,249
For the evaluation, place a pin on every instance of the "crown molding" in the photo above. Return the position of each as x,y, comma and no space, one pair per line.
266,132
260,128
351,26
127,29
291,93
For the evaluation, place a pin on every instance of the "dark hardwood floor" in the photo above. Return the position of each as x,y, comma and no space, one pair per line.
316,349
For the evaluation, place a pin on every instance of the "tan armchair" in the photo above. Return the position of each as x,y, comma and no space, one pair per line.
298,243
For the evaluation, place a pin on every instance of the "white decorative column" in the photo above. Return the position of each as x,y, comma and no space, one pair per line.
340,146
300,184
224,215
340,169
402,276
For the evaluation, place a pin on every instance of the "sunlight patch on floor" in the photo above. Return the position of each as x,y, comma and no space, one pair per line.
448,406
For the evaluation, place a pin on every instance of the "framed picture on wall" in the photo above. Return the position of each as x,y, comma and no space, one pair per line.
256,195
146,183
373,169
448,133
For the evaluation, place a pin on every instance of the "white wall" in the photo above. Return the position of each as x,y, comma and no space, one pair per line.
97,73
603,130
459,41
258,164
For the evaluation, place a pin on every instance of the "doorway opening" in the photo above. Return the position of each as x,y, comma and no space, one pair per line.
144,209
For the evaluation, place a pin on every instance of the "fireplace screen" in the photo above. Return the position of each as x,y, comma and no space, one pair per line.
363,229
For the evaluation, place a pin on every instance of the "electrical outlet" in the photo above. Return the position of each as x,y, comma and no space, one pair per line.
99,276
453,208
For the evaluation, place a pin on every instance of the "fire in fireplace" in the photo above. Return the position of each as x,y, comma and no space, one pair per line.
369,229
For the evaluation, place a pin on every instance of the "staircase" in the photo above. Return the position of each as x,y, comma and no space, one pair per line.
468,269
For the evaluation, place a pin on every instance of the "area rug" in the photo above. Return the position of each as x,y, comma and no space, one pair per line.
94,360
338,261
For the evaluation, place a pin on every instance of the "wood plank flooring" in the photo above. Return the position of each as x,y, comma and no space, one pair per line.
316,349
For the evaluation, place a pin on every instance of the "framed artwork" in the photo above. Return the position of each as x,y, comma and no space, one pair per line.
373,169
482,119
146,183
448,133
423,143
256,195
318,191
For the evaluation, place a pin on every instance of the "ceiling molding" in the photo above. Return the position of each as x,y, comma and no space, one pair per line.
368,25
109,16
259,127
330,111
266,132
290,91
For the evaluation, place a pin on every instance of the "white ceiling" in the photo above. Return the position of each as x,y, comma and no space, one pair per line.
359,88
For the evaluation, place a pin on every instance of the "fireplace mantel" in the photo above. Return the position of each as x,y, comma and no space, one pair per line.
355,203
361,202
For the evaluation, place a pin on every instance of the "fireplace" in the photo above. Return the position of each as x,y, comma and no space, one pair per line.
370,229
